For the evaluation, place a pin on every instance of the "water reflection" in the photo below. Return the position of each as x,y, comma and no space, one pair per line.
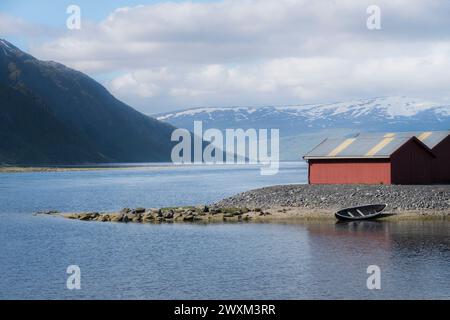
413,256
413,234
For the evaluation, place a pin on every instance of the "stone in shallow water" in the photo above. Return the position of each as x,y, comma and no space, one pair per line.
104,218
137,218
139,210
49,212
84,217
178,217
147,217
116,217
169,215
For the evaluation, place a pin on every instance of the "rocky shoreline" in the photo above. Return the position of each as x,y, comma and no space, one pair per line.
167,215
306,202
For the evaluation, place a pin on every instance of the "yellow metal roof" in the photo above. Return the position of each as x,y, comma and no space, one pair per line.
381,146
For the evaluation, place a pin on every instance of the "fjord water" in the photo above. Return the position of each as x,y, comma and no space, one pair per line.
195,261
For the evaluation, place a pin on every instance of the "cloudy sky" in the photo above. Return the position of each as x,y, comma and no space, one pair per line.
159,56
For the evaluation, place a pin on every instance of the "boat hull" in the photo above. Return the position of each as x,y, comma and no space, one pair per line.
367,212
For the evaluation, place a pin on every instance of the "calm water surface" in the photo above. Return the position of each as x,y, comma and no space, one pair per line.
217,261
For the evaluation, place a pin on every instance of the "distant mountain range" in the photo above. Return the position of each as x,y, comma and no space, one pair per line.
303,126
51,114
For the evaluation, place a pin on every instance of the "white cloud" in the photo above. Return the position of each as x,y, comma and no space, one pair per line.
12,26
286,80
143,83
174,55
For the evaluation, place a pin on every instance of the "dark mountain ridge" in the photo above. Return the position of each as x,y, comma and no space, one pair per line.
51,114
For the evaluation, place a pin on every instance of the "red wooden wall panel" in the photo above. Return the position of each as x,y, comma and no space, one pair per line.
441,164
411,164
349,172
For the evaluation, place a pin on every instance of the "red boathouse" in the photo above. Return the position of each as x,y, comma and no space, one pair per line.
379,159
439,144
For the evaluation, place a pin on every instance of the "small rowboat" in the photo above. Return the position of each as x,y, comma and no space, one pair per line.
371,211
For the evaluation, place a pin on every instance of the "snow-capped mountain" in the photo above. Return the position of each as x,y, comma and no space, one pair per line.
303,125
380,113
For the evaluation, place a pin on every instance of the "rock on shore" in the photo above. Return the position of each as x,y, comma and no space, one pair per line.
332,197
167,215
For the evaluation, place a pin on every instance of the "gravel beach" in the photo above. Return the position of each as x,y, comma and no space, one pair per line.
328,198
